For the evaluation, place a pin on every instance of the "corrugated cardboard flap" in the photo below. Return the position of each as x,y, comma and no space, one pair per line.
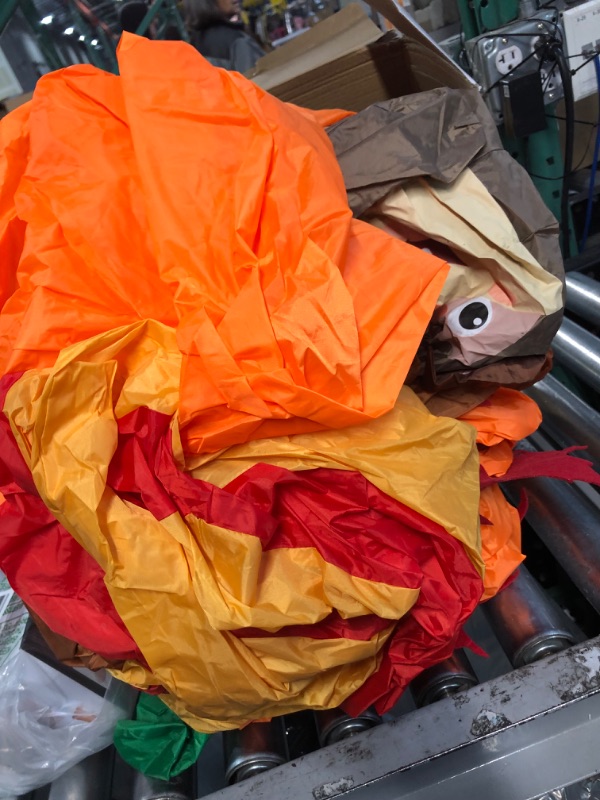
335,37
394,13
346,62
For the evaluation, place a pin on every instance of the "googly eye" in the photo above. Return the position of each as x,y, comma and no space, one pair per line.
471,317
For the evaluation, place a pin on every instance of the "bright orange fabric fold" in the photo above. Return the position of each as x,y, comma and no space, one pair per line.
324,117
506,415
500,540
503,419
238,236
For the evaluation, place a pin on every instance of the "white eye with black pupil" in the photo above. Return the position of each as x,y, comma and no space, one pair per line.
471,317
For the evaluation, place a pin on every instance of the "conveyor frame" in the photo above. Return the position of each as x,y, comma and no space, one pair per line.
514,738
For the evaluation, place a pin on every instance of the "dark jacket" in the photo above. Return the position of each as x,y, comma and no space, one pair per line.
226,45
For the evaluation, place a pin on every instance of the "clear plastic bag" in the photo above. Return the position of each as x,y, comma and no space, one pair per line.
13,619
50,722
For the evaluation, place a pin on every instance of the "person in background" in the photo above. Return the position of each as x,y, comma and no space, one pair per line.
218,36
131,16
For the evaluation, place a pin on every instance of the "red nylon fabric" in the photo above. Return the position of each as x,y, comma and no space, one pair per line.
450,587
47,568
349,521
144,471
356,526
369,534
401,664
557,464
359,628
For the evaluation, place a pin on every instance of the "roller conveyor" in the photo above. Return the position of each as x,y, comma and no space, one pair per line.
529,624
567,418
449,677
583,297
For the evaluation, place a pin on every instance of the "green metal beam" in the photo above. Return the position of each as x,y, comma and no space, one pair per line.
151,15
481,16
175,16
88,23
541,155
47,46
467,19
165,12
495,14
7,9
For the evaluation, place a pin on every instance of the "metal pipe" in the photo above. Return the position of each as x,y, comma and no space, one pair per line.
146,788
569,525
447,678
578,350
566,418
527,623
256,748
583,297
334,725
90,779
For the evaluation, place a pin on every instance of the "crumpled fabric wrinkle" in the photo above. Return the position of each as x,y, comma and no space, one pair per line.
250,444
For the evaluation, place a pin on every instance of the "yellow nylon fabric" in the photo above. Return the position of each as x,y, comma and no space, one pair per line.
428,463
181,584
316,686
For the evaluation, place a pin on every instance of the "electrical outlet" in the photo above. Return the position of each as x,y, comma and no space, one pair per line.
512,52
550,80
551,83
508,58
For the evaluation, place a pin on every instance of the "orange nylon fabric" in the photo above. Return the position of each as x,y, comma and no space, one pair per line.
503,419
324,117
507,414
273,289
500,540
497,459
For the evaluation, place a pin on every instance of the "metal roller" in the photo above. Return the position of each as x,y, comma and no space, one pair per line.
566,418
334,725
578,350
256,748
180,788
569,525
447,678
527,623
583,297
89,780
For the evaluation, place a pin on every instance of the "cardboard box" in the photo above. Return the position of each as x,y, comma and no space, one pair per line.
347,62
586,111
14,102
